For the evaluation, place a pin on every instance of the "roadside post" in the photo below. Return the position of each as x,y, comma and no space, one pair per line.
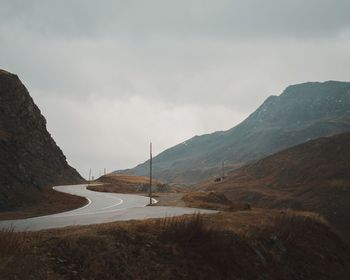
89,182
150,174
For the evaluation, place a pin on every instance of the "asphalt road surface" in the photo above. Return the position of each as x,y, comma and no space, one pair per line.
101,208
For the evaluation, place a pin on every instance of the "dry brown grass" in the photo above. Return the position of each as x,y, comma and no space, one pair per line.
118,183
18,256
131,179
213,200
126,179
12,243
238,245
187,229
314,176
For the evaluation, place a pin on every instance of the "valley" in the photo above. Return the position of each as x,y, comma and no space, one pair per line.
284,191
245,244
175,140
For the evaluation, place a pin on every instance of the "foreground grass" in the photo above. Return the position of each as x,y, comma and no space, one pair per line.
241,245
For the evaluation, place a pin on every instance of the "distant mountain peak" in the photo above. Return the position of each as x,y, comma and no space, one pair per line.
302,112
315,87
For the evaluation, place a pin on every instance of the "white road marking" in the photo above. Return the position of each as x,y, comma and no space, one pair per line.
100,212
120,202
101,208
88,199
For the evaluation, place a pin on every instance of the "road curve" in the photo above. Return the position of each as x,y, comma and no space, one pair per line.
101,208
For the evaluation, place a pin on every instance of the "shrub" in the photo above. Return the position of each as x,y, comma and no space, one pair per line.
183,228
12,243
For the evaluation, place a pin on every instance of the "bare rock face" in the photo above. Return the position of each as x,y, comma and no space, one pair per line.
30,160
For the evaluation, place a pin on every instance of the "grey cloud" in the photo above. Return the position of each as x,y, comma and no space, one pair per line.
111,75
143,19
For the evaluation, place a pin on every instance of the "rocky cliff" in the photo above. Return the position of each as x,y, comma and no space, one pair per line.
30,160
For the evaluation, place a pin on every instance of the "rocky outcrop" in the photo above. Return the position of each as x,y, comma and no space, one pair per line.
30,160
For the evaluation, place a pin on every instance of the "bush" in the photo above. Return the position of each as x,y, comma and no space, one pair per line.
12,243
183,228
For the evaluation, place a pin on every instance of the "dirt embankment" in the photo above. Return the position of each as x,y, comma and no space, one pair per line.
213,200
46,203
119,183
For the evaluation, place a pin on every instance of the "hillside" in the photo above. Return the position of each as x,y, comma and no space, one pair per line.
243,245
129,184
313,176
302,112
30,160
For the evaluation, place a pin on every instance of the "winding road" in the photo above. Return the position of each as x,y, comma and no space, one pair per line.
101,208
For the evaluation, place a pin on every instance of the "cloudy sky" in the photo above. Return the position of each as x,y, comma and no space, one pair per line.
109,76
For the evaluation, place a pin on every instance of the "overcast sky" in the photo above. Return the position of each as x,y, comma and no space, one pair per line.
109,76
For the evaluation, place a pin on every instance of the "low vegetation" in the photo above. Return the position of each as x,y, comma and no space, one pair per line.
118,183
49,202
241,245
12,242
314,176
167,195
212,200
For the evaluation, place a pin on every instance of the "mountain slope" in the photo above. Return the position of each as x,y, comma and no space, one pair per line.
313,176
30,160
302,112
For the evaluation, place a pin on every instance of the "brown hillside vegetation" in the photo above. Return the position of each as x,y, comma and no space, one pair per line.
166,195
314,176
243,245
119,183
212,200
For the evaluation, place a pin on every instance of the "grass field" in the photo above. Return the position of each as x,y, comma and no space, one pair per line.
257,244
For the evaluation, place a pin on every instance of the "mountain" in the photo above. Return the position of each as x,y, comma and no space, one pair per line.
313,176
30,160
301,113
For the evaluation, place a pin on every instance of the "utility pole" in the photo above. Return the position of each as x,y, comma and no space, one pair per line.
150,174
104,171
89,175
223,170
